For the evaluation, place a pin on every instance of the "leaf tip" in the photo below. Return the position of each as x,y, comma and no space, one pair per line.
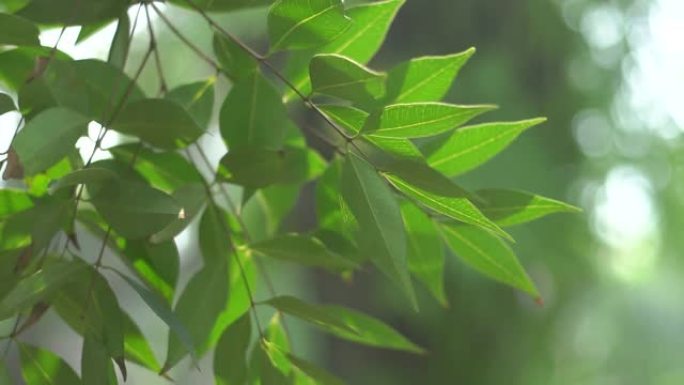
539,301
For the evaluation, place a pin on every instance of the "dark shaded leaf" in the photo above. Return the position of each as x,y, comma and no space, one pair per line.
6,104
235,62
159,122
512,207
253,115
118,50
230,367
72,12
48,138
381,230
310,313
197,98
304,250
15,30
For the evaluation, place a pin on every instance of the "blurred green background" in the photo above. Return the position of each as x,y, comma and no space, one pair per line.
609,75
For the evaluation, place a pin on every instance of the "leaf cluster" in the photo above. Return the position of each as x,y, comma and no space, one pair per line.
388,196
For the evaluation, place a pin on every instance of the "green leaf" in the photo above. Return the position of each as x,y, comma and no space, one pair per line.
118,50
234,61
304,250
230,366
6,104
472,146
253,115
296,24
18,64
424,79
266,368
214,238
88,304
38,286
96,367
425,253
15,30
42,367
488,255
162,310
159,122
455,207
137,348
368,330
63,11
197,99
166,171
42,222
310,313
342,77
94,88
198,308
48,138
416,120
13,201
222,5
381,230
360,42
85,176
353,119
512,207
134,210
156,264
257,168
318,375
192,198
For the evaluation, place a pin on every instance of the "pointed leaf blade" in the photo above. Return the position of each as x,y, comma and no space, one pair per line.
512,207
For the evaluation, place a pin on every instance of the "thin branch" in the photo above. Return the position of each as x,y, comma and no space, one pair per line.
162,81
184,39
243,274
263,60
233,208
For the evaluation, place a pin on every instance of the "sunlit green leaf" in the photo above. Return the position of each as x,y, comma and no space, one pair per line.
487,254
360,42
257,168
156,264
424,79
15,30
42,367
230,367
512,207
471,146
305,23
353,119
455,207
425,253
303,250
48,138
198,308
13,201
342,77
253,115
159,122
381,230
415,120
333,213
197,99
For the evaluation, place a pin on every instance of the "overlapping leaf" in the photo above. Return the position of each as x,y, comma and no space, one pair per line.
342,77
305,23
512,207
